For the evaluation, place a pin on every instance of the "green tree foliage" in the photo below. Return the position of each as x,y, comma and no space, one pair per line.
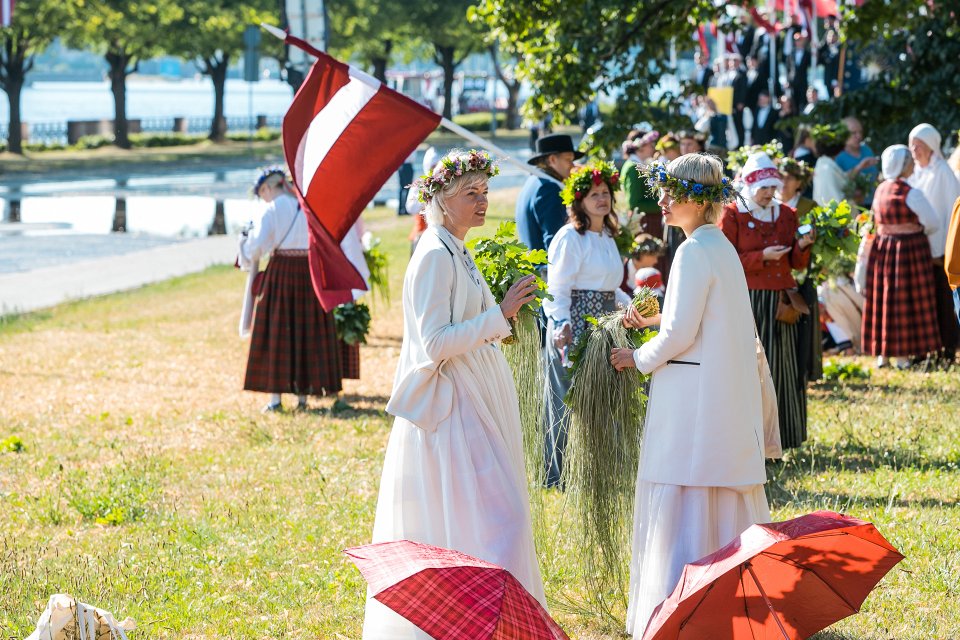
211,32
571,50
125,32
370,32
35,24
445,26
915,48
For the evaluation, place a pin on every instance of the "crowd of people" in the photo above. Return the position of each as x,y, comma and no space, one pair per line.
733,263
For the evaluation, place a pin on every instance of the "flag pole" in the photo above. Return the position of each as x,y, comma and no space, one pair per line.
370,81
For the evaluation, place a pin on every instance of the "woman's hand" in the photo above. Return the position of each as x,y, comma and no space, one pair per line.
633,320
563,336
775,252
622,359
522,292
807,239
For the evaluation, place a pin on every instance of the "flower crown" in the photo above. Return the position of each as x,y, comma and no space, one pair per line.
266,172
647,246
796,168
683,190
738,157
830,134
584,178
453,165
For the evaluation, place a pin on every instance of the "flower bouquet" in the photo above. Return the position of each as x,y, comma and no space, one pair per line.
834,251
352,321
502,260
606,410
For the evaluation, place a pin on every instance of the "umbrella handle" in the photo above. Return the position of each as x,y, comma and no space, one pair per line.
769,604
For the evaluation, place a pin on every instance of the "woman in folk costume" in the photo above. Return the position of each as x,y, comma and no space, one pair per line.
797,177
453,475
585,273
934,178
294,346
900,296
640,202
830,182
701,473
763,230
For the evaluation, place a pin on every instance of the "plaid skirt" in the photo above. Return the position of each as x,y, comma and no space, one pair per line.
350,360
899,310
294,346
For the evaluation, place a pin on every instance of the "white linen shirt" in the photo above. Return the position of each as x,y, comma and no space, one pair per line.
268,232
941,189
828,181
588,261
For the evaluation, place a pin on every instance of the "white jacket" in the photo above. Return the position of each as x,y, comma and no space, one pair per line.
434,330
704,424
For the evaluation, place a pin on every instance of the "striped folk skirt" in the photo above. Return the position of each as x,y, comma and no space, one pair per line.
900,298
780,342
294,346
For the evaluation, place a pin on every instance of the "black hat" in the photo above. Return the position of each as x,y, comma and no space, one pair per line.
554,143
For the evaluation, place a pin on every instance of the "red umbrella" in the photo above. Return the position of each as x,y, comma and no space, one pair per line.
780,580
451,595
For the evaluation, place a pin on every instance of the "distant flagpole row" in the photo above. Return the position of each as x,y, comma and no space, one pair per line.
448,124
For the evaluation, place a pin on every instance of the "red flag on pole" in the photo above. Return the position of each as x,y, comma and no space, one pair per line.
344,135
6,12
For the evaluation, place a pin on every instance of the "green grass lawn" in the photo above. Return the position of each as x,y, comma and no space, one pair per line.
136,475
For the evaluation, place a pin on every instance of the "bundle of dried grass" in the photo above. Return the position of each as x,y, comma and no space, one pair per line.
603,446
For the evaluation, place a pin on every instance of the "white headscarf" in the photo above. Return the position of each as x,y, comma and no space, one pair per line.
929,136
893,159
758,172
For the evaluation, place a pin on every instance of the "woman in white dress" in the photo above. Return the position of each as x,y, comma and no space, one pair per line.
453,475
584,279
701,474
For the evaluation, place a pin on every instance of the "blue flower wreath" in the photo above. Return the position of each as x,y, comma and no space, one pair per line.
682,190
266,172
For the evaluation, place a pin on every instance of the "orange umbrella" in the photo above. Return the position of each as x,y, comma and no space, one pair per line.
780,580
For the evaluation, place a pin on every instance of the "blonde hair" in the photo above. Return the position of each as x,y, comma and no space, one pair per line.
436,209
705,168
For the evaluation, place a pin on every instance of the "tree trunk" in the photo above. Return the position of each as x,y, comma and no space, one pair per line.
217,70
513,108
513,91
446,61
118,85
15,67
380,62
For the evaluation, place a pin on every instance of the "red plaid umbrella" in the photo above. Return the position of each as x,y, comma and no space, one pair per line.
780,580
451,595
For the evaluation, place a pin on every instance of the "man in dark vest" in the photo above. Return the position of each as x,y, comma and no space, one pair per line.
540,212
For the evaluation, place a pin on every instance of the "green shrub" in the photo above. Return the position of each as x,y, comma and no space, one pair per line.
263,134
92,142
44,146
479,121
841,372
145,140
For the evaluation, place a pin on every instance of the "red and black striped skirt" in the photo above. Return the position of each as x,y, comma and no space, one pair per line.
294,347
899,309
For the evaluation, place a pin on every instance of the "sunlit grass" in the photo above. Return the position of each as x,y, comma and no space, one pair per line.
140,477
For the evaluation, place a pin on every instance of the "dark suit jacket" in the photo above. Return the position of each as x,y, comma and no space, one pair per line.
703,76
540,212
762,134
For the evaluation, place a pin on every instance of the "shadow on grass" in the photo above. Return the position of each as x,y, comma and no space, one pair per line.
854,455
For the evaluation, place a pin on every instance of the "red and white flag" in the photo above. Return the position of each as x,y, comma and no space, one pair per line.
6,12
344,135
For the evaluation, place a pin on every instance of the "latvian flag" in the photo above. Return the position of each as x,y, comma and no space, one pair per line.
6,12
344,135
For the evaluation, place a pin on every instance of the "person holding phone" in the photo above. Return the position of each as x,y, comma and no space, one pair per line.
765,233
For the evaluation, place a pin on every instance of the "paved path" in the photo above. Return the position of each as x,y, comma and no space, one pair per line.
48,286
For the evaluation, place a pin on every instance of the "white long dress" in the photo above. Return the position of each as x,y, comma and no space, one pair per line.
701,474
461,485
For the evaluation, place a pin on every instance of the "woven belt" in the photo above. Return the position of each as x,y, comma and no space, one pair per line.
293,253
906,229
